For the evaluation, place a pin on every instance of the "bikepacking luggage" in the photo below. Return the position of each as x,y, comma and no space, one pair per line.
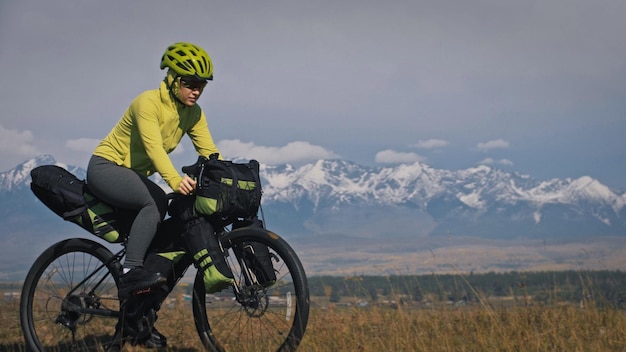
166,254
69,197
256,256
204,247
227,191
199,235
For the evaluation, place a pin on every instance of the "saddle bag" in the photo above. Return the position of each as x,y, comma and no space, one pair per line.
59,190
69,197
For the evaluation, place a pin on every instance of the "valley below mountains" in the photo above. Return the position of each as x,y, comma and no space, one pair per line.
345,219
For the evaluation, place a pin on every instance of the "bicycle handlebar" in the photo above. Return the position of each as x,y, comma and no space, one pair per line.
194,169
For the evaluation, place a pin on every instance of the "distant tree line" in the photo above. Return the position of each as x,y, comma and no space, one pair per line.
600,287
550,286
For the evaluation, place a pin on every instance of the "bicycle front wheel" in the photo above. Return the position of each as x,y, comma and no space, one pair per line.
252,315
69,298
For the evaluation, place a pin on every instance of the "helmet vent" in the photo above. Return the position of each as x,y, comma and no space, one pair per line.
187,59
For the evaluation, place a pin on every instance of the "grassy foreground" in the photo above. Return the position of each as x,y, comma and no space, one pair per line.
537,328
479,327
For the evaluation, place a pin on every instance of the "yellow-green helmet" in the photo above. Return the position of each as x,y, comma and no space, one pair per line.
188,60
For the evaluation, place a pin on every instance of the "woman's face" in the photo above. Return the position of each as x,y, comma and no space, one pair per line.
190,90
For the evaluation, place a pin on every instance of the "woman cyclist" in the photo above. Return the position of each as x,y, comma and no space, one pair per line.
138,146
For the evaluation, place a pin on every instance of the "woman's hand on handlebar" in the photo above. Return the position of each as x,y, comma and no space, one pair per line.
187,185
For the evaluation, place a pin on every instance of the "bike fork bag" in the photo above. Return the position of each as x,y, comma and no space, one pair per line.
256,256
203,246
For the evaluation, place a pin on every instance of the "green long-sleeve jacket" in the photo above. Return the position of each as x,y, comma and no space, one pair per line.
150,129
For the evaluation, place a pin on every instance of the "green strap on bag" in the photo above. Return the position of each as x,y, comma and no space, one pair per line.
99,219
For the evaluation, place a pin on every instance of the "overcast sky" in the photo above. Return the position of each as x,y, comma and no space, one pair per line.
534,86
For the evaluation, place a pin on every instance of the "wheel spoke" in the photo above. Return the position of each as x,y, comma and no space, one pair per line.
69,297
251,317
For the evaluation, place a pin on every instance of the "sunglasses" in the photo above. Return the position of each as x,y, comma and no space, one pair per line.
192,83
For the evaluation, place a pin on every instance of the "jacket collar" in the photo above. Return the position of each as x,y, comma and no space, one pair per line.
167,97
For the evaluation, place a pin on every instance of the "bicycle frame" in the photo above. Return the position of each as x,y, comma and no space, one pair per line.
74,308
57,313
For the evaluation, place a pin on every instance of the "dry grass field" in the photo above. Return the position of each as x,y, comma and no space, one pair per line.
485,326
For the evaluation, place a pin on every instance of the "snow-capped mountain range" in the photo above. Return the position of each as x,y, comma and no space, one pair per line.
343,182
345,216
479,201
335,196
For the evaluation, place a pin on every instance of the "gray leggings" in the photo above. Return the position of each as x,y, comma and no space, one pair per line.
127,189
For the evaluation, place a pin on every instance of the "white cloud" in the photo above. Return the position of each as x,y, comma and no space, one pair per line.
389,156
468,65
491,161
17,142
431,144
493,144
292,152
82,144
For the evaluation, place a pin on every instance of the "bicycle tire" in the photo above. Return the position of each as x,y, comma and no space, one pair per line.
278,318
71,275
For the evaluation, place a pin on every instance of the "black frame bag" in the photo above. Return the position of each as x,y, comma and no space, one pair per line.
228,191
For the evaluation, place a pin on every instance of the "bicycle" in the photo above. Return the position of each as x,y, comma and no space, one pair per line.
69,299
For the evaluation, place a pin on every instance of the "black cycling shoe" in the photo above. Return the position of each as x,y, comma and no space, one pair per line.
138,279
155,340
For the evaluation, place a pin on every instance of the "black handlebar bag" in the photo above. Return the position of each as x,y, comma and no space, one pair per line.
228,191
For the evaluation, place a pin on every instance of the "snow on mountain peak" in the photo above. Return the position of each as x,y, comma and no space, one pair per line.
336,182
477,187
589,187
480,200
17,177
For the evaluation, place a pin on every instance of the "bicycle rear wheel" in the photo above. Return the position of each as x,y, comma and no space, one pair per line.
69,298
248,316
